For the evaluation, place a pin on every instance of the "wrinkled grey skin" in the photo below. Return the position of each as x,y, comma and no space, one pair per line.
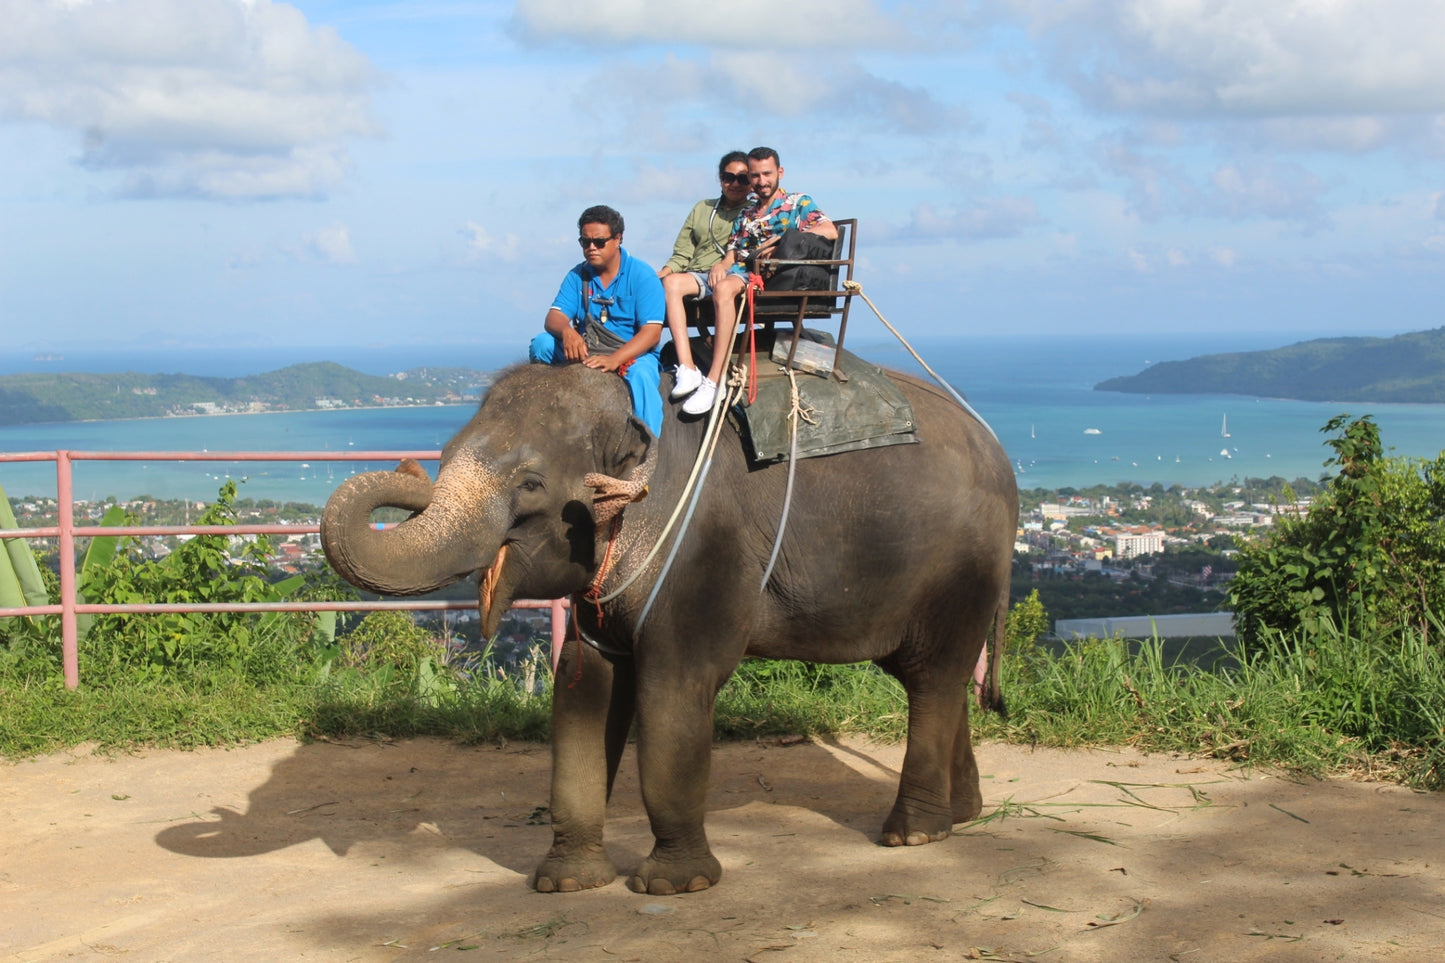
898,555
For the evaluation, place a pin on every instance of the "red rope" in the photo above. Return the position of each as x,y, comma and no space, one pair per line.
593,595
755,284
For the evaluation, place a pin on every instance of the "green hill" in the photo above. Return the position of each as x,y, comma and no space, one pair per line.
32,398
1408,368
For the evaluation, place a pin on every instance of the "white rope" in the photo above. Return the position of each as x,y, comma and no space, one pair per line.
793,418
692,479
724,400
853,287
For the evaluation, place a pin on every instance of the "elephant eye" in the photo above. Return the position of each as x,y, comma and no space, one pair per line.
530,485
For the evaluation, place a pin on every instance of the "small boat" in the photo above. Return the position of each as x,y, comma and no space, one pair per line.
1224,453
1224,427
1092,431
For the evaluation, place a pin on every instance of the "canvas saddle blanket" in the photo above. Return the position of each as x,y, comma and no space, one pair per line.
867,410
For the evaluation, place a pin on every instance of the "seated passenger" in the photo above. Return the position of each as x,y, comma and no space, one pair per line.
608,315
756,230
701,243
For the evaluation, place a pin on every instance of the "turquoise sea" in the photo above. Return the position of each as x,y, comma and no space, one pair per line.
1036,393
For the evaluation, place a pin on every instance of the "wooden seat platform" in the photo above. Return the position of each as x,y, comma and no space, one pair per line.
795,307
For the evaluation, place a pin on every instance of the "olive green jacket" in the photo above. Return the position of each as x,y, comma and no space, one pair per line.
704,236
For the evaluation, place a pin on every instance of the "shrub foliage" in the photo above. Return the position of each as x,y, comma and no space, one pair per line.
1369,557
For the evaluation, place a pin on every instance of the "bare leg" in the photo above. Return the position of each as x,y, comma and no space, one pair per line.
725,313
675,287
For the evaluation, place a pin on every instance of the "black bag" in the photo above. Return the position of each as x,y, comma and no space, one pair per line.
799,246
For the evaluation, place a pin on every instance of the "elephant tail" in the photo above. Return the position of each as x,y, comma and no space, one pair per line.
990,693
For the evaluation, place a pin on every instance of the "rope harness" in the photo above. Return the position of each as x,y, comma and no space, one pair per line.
741,377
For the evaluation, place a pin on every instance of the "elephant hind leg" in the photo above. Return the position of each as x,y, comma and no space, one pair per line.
966,795
937,713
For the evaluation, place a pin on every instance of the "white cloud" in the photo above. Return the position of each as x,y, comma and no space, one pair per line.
753,85
482,246
753,24
1251,57
1286,192
333,244
228,99
990,218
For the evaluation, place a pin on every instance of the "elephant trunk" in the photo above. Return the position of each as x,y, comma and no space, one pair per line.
450,536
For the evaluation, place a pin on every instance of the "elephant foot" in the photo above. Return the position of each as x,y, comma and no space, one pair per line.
967,808
571,873
905,829
656,877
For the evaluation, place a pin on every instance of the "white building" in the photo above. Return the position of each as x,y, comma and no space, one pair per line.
1131,544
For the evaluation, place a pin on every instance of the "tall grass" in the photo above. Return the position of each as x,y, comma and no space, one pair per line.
1329,703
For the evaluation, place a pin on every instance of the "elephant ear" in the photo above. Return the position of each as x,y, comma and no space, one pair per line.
626,455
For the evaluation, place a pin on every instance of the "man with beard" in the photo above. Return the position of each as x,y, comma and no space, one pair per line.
756,231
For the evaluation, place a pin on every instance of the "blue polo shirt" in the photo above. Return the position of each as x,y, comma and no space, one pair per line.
635,293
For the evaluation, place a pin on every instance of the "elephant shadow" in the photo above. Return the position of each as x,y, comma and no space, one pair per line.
493,800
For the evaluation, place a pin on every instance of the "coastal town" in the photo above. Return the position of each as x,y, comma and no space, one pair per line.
1098,552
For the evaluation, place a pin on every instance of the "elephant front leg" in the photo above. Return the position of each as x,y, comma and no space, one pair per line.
674,748
592,705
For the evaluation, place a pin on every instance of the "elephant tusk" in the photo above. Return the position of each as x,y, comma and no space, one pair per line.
486,597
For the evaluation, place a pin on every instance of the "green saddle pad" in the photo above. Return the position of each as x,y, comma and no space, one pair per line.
866,411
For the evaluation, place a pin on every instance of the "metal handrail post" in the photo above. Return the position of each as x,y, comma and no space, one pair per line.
69,631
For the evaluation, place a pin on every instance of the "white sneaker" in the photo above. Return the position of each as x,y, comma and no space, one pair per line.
688,379
701,401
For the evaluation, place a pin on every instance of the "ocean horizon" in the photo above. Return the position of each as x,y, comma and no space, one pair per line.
1036,393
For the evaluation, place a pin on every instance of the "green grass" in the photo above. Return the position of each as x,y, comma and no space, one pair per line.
1329,704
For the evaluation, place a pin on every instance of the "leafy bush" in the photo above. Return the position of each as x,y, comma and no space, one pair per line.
1369,558
202,569
389,638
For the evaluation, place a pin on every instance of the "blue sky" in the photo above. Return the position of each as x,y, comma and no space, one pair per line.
221,172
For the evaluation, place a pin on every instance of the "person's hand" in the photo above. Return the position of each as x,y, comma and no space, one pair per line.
602,362
574,346
716,273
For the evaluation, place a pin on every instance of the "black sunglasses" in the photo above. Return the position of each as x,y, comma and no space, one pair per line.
729,178
597,242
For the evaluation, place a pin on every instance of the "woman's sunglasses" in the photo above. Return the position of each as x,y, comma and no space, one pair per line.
729,178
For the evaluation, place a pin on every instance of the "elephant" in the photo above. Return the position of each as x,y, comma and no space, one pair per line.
898,555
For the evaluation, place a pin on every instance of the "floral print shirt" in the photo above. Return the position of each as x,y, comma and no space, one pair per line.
756,226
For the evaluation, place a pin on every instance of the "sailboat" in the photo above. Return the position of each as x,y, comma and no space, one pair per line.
1224,427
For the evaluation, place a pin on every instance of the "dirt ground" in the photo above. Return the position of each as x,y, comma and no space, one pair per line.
384,851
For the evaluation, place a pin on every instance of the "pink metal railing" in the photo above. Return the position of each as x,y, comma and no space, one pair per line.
66,532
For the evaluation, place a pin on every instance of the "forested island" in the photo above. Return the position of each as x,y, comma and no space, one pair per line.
37,398
1408,368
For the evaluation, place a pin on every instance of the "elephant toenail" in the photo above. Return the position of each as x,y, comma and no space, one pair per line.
661,887
545,885
569,886
698,884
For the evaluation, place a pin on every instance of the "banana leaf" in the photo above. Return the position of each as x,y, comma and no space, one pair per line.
102,549
20,581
